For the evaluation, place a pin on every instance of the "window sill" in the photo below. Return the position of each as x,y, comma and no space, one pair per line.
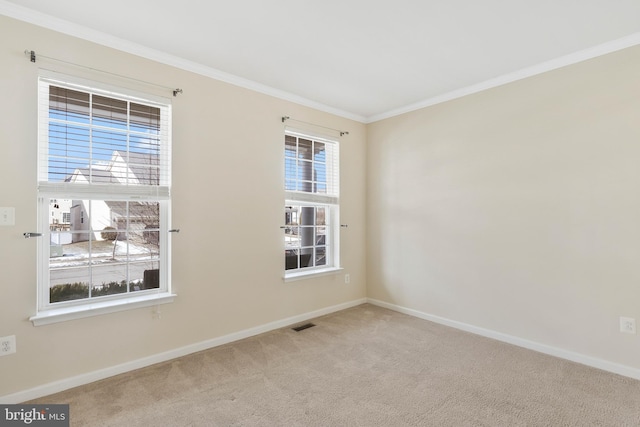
103,307
301,275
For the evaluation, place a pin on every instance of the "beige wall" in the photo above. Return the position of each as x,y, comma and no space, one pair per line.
228,202
517,209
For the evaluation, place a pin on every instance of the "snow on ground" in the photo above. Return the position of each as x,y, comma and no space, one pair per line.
76,254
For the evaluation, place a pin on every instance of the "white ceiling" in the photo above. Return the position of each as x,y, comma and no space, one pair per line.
362,59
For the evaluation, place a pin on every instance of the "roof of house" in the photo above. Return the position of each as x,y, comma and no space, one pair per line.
144,168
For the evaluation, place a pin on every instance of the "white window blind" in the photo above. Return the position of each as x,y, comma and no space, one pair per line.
100,142
311,168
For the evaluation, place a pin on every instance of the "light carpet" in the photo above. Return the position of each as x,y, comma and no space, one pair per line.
365,366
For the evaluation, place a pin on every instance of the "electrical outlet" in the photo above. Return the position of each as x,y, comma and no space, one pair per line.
628,325
347,278
7,345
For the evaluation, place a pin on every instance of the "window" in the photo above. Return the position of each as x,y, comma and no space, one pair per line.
104,173
312,204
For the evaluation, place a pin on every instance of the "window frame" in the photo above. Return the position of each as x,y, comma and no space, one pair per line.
46,311
330,201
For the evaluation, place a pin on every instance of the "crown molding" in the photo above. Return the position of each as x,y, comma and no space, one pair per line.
47,21
563,61
52,23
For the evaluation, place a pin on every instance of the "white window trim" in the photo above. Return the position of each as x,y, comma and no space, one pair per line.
96,308
309,274
47,313
330,201
333,247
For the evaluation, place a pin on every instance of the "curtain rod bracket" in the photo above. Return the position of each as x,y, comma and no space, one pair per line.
176,92
31,54
344,133
285,118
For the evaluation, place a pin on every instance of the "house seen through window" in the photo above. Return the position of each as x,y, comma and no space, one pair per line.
103,183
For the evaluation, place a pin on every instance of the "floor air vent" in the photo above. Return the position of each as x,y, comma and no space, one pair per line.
303,327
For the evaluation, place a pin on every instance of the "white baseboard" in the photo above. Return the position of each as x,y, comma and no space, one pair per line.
593,362
67,383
